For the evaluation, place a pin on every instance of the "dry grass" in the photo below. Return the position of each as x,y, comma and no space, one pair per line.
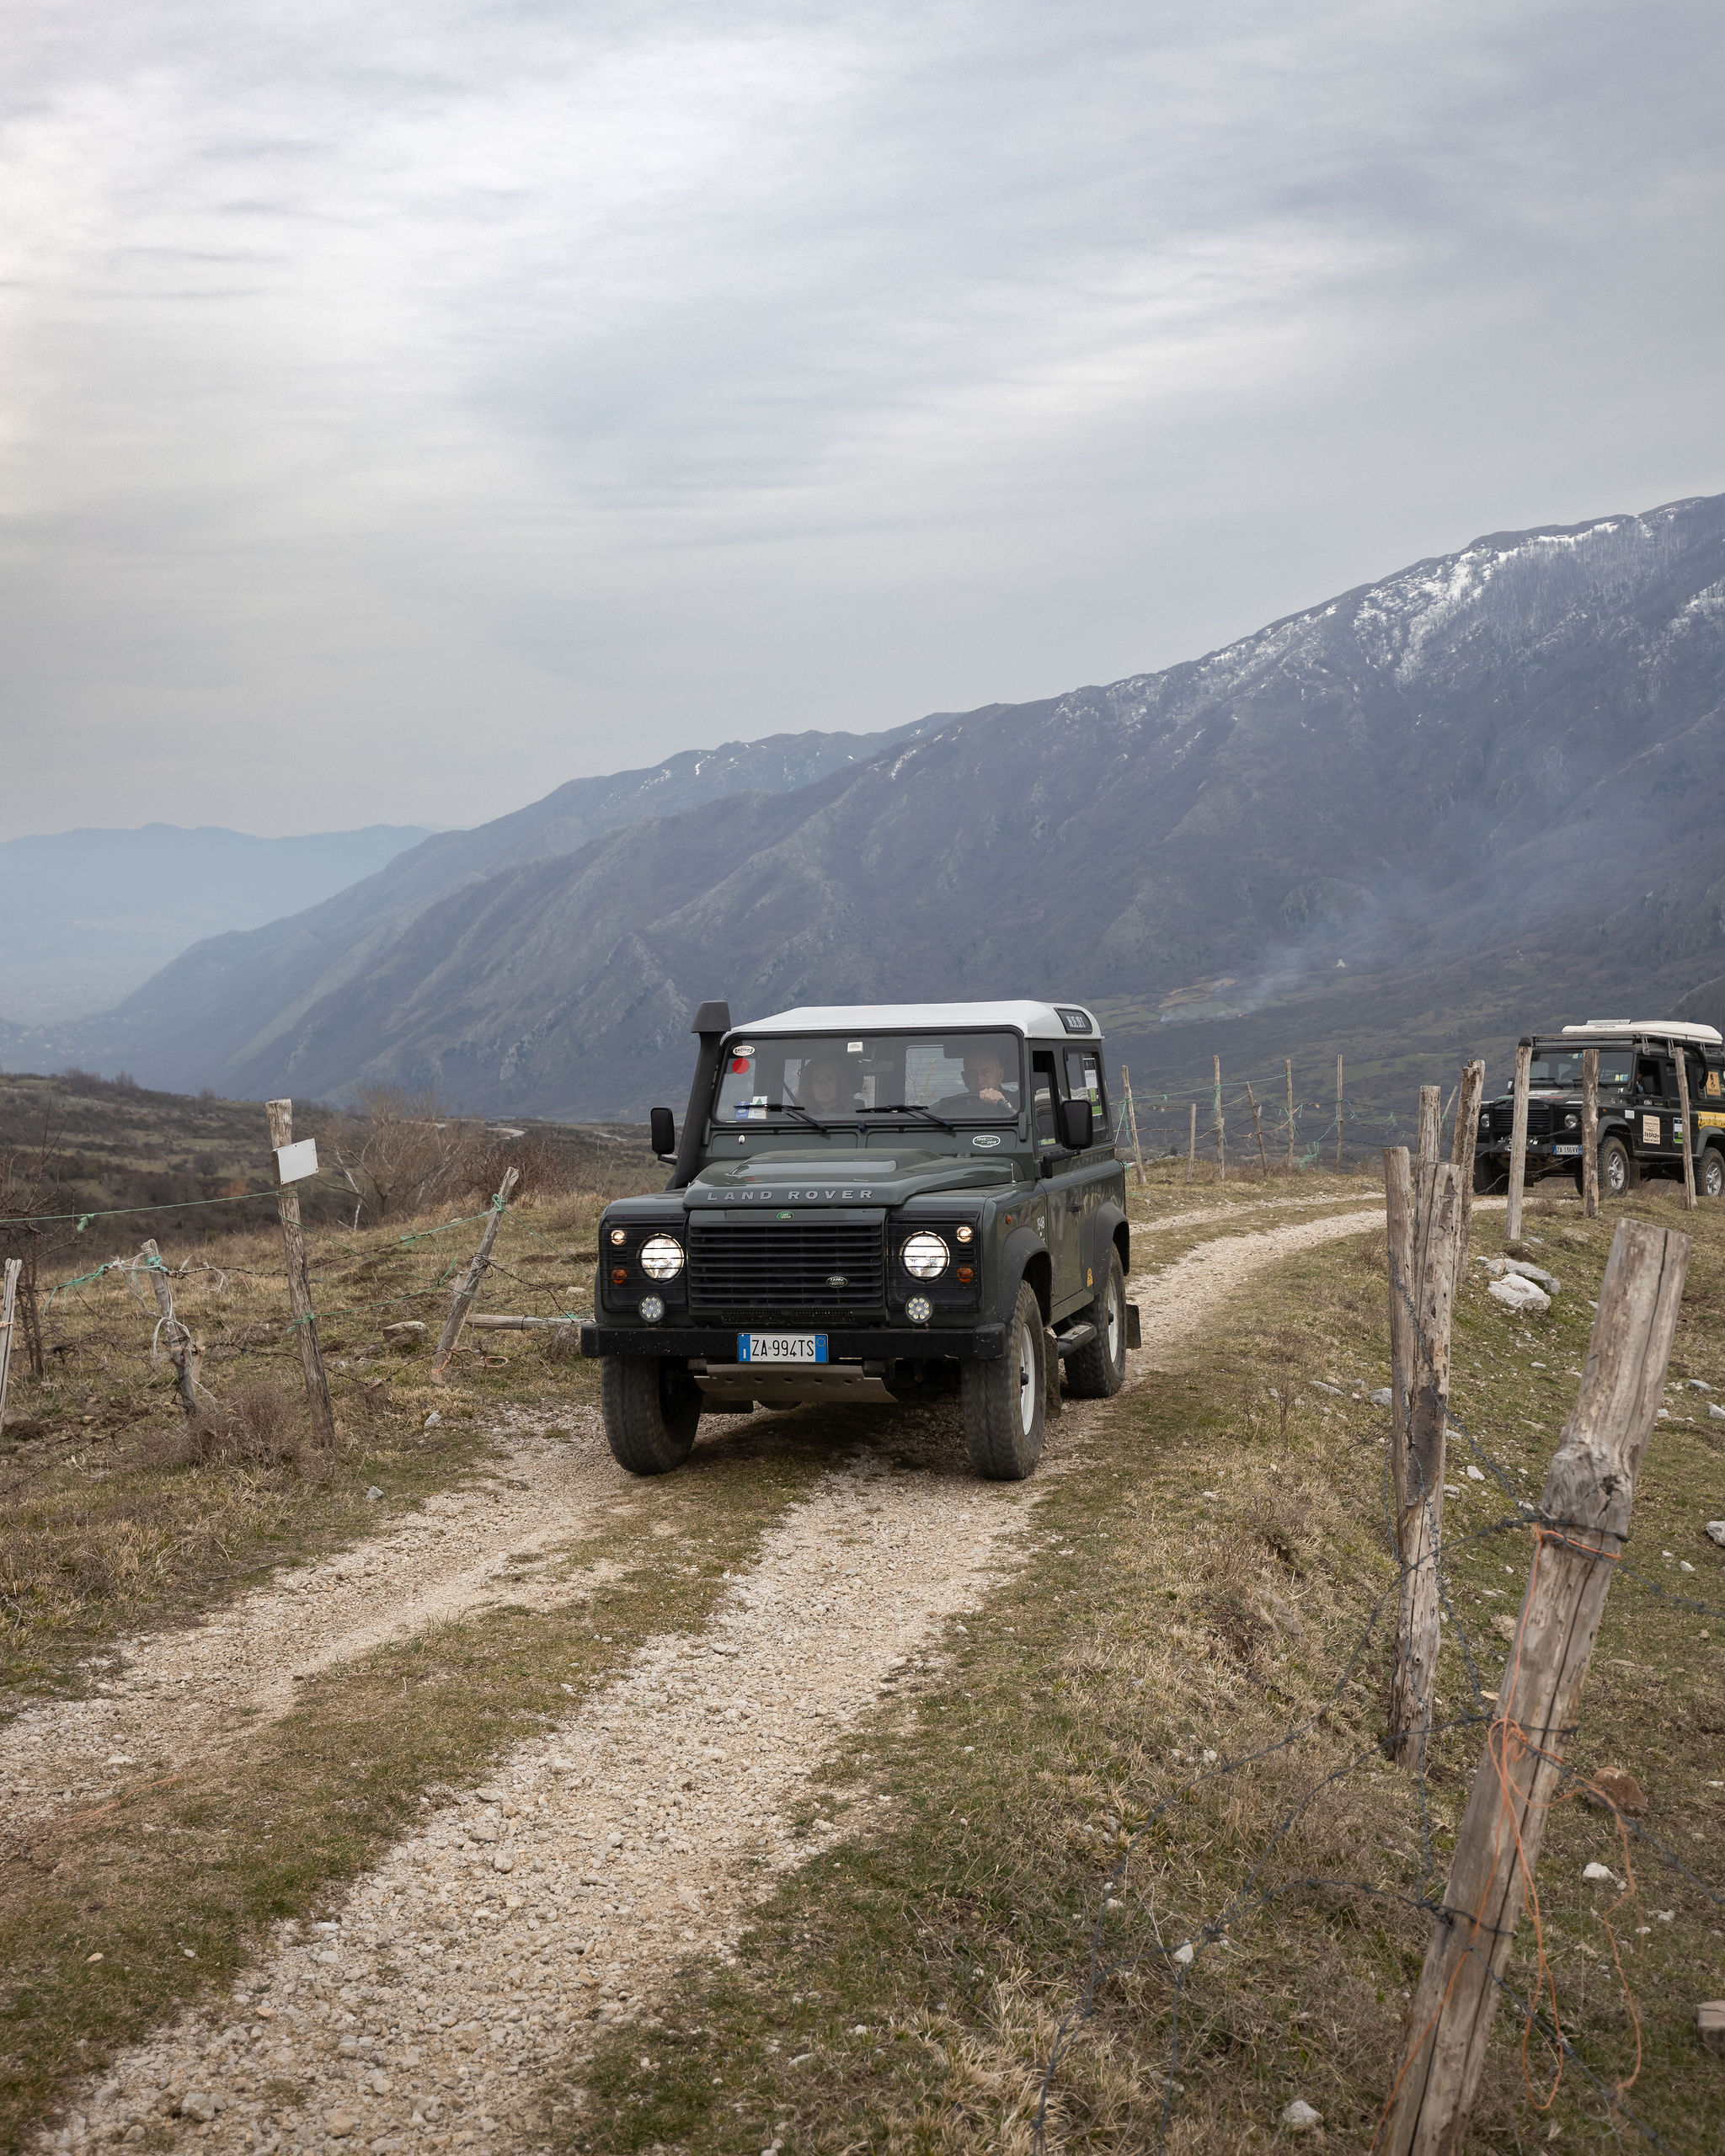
1155,1627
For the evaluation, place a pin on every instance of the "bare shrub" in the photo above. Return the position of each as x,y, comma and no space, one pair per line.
259,1425
402,1156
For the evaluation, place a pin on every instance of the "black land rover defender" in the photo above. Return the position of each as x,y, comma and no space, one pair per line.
872,1203
1641,1115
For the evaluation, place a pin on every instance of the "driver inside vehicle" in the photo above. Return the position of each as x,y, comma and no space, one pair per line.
820,1087
985,1086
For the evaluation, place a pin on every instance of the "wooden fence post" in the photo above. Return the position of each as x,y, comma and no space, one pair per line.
1420,1525
299,1285
1584,1514
1192,1143
1132,1124
9,1305
1288,1069
1430,1125
469,1285
1398,1223
1590,1132
1339,1111
1263,1165
1689,1196
175,1334
1221,1138
1468,1095
1518,1143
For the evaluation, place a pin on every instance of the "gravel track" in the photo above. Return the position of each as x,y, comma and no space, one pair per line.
562,1894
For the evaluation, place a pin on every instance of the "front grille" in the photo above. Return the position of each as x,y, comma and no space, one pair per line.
1539,1118
781,1266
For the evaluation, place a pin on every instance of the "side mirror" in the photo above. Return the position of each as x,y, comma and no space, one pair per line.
664,1127
1077,1125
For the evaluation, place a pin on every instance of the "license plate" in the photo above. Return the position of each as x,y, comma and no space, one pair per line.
1575,1149
781,1347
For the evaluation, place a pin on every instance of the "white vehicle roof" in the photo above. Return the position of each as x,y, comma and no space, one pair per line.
1038,1021
1664,1029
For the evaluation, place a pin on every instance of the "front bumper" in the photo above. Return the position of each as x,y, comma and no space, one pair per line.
715,1345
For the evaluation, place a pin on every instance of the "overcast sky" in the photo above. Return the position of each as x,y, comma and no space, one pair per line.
405,407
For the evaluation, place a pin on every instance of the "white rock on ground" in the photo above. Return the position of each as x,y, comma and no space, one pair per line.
1716,1532
1516,1294
1301,2118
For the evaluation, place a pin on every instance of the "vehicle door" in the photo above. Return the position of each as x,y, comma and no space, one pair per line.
1094,1174
1696,1073
1709,1104
1063,1199
1653,1116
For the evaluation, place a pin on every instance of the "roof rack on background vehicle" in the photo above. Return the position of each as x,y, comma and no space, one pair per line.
1665,1029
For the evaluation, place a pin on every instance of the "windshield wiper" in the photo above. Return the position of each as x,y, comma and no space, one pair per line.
913,1108
791,1107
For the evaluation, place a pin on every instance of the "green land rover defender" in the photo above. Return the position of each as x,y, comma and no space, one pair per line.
888,1203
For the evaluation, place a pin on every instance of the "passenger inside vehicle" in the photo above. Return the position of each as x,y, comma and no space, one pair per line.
820,1087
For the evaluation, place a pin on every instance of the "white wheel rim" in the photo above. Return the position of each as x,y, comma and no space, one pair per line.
1113,1323
1026,1380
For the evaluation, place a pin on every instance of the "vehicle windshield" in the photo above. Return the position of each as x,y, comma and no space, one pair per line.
839,1078
1559,1069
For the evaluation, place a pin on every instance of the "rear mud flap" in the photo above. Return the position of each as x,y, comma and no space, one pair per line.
1134,1336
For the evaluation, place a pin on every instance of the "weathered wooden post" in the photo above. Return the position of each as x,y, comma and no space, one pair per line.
1518,1142
8,1306
1221,1138
1263,1165
1420,1525
1339,1111
1288,1070
173,1332
1132,1124
469,1284
1192,1143
1590,1132
299,1284
1584,1514
1689,1196
1431,1126
1468,1096
1398,1224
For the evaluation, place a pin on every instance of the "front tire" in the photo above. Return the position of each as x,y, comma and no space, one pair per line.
651,1409
1097,1370
1709,1179
1618,1172
1490,1179
1004,1399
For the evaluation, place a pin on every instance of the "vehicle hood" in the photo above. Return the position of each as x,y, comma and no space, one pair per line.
828,1179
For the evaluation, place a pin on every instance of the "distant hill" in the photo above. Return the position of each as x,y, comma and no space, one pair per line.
86,916
1479,795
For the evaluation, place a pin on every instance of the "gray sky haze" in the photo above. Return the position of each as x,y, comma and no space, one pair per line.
406,408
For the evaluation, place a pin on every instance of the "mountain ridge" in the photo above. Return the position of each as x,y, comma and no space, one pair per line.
1492,767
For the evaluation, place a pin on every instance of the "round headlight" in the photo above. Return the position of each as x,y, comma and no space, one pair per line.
924,1257
662,1257
1572,1123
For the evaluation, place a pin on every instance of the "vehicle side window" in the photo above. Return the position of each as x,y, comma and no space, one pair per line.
1084,1082
1697,1078
1647,1076
1042,1097
1711,1088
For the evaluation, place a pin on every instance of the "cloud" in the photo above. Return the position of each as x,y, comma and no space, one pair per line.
407,408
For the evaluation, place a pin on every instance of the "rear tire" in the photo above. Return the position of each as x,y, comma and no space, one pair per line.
1004,1399
1618,1172
1097,1370
1710,1177
651,1409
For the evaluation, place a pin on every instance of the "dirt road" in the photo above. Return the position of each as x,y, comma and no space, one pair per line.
564,1891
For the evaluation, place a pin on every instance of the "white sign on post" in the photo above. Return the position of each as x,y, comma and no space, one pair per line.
297,1161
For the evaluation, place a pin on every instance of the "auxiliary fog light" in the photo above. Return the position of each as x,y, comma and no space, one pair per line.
652,1307
924,1256
662,1257
919,1310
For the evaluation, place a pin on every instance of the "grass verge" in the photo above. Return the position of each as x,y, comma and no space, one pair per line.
170,1883
1105,1780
